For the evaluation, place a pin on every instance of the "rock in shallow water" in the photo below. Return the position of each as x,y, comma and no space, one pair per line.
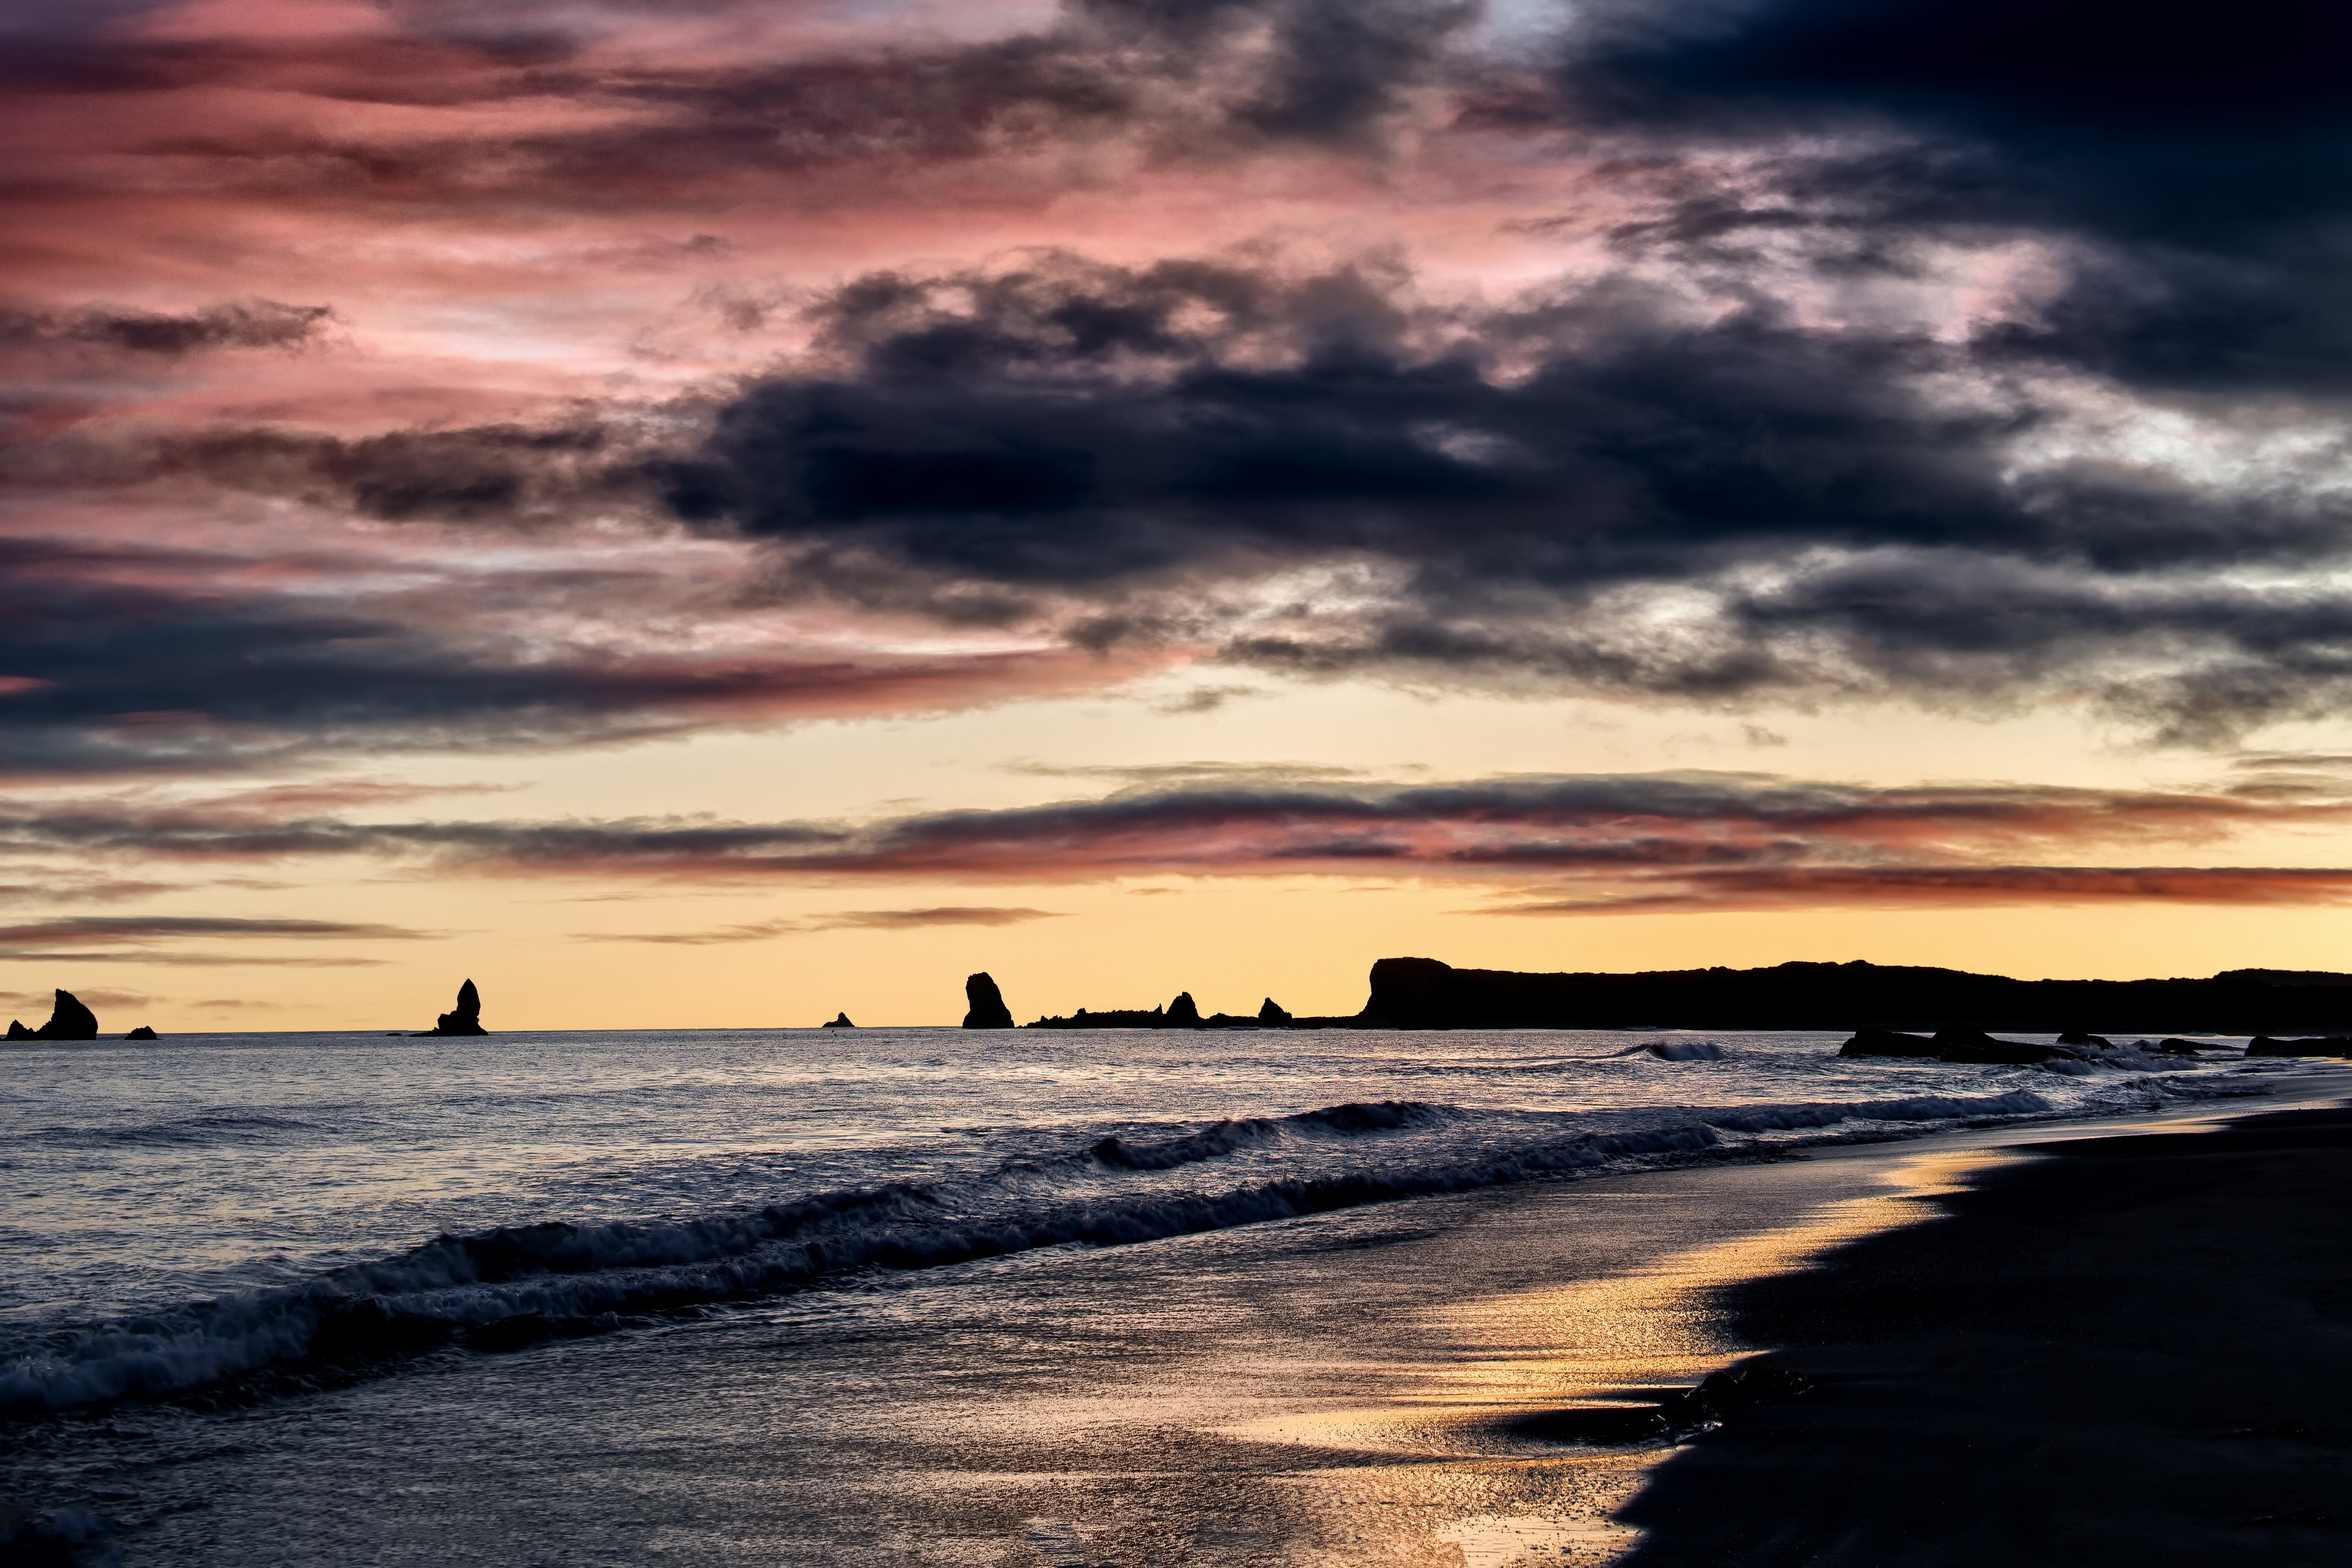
2263,1046
1975,1045
838,1021
69,1020
1887,1043
465,1018
985,1004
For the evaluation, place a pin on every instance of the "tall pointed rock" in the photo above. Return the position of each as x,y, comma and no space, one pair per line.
985,1004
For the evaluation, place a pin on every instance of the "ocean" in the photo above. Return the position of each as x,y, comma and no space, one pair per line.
893,1295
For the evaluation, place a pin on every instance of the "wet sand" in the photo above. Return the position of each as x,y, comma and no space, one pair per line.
2120,1350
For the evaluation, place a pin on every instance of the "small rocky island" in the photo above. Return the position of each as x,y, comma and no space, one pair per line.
985,1004
69,1020
465,1018
838,1021
1182,1014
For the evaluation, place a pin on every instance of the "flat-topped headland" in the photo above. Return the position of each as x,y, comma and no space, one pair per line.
1425,993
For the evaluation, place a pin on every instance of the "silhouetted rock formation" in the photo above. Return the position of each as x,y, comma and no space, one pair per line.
1182,1014
1114,1018
2263,1046
1424,993
69,1020
986,1004
2077,1037
840,1021
1951,1046
1976,1045
465,1018
1271,1015
1887,1043
141,1033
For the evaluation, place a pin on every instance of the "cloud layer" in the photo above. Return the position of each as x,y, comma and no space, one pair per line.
410,382
1584,844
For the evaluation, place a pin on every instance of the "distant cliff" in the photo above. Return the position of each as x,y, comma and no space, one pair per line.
1424,993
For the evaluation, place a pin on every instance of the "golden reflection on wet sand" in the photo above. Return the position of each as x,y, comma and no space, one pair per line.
1470,1489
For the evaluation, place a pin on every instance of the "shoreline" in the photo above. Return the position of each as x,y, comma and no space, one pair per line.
2127,1346
1352,1387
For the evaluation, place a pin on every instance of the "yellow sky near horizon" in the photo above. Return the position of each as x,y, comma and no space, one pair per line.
543,948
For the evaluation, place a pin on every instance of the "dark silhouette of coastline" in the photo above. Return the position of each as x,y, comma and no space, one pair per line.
1875,999
1424,993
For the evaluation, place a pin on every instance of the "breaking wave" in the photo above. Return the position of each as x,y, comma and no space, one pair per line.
514,1285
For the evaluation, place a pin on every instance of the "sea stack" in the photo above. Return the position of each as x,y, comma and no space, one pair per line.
69,1020
986,1004
465,1018
1272,1015
1184,1013
141,1033
840,1021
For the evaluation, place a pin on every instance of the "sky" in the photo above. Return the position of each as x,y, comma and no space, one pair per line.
717,513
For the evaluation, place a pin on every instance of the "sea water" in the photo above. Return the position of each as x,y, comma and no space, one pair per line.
392,1262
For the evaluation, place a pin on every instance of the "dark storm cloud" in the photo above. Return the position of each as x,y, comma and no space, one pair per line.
251,324
1561,845
503,473
2207,155
1851,503
1073,425
144,659
1686,478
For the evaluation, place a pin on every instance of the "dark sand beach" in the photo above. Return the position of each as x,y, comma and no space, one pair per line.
2123,1350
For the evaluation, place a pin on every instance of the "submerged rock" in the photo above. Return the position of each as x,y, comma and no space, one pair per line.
2263,1046
141,1033
1976,1046
839,1021
465,1018
1968,1046
1887,1043
985,1004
